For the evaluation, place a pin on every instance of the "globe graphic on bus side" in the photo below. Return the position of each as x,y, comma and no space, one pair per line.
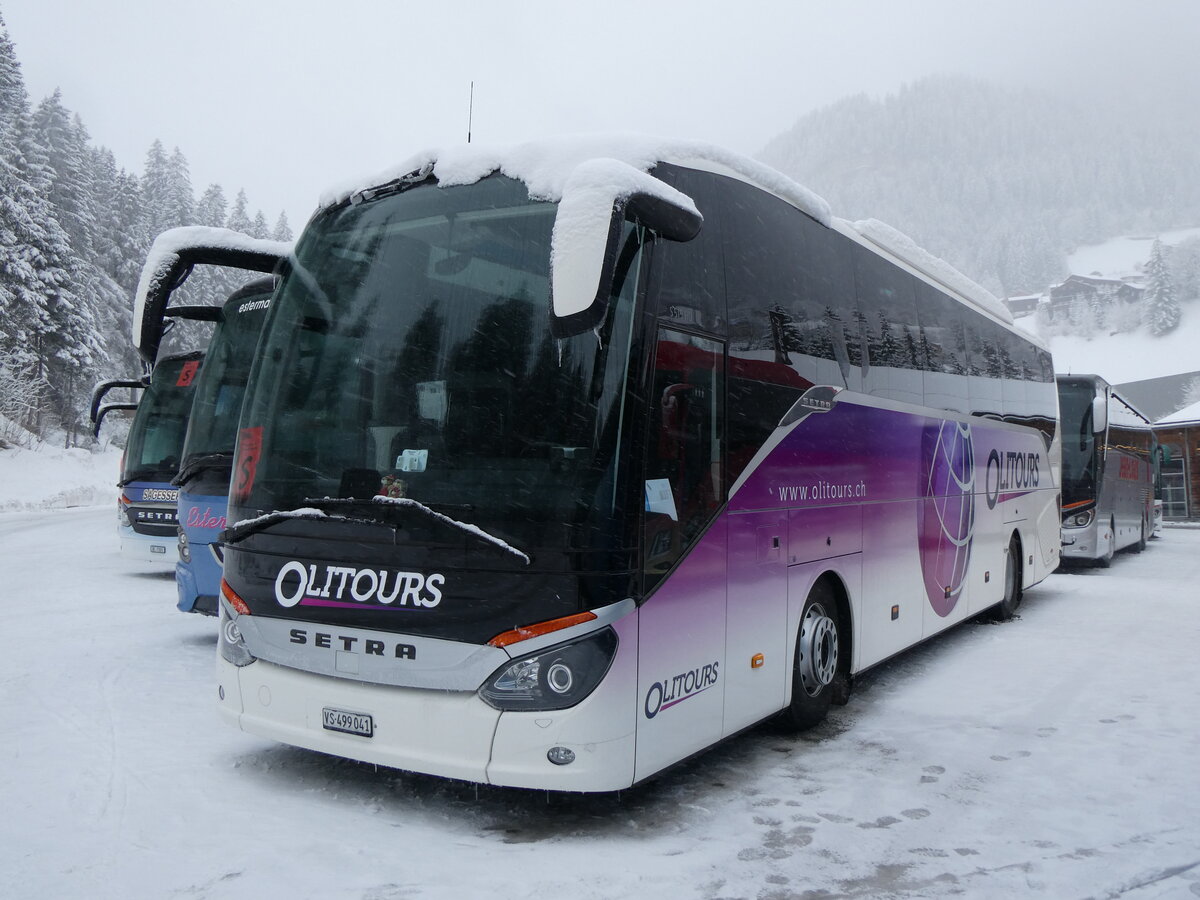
947,520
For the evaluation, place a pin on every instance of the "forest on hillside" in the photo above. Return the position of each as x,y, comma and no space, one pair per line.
1001,182
75,227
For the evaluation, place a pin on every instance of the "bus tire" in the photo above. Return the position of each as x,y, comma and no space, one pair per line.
1106,559
1141,542
1013,590
818,669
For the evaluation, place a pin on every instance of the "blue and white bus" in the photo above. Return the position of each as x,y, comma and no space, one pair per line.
146,507
1108,454
558,465
207,459
199,483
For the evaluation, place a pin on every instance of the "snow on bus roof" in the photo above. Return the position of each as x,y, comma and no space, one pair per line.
905,248
216,243
544,166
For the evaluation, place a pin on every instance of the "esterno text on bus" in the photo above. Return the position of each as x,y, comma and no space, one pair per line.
558,465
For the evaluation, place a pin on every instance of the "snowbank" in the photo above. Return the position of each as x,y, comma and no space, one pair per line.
1135,356
54,478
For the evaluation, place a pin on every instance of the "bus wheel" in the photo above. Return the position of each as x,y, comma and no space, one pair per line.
1141,544
1106,560
817,660
1007,607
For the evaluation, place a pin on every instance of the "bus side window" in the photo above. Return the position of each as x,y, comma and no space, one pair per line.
683,454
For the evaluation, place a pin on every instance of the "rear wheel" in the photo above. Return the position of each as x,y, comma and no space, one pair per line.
816,672
1141,543
1007,607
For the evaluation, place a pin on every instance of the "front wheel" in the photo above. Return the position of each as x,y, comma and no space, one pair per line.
816,672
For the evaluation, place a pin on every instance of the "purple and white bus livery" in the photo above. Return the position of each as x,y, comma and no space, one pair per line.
559,465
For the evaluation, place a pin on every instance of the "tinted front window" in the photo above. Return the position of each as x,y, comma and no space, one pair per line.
218,401
1078,441
156,435
409,354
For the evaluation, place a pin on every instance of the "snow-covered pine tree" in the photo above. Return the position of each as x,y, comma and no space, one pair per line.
72,192
180,201
210,210
121,237
239,219
259,227
283,231
156,191
1162,312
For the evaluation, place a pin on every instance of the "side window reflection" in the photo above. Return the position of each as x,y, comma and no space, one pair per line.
683,466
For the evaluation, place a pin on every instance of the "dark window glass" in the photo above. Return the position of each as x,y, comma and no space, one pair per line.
942,348
683,447
688,279
787,285
1079,461
888,310
985,364
222,384
160,423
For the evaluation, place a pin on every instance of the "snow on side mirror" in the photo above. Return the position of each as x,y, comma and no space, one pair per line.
171,259
598,197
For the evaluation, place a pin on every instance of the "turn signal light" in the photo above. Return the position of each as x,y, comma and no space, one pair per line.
238,604
525,632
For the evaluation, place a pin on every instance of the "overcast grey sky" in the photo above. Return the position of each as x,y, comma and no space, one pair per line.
285,97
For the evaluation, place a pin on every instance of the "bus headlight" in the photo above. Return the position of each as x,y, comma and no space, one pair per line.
229,641
1083,520
555,678
185,552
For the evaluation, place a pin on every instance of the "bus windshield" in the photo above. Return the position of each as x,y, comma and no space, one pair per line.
218,401
409,355
156,435
1079,460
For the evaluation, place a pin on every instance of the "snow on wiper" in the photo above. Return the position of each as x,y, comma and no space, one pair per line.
246,527
409,503
146,473
197,464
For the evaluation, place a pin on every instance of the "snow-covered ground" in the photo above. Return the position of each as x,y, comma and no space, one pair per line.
1123,256
1135,356
1055,755
54,478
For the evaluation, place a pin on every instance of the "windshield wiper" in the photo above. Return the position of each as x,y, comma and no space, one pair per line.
241,530
146,473
197,464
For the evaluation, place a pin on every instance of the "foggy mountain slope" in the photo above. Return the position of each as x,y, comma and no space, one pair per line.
1003,183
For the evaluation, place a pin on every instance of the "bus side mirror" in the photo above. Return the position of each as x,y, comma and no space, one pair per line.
102,389
598,197
1099,414
98,419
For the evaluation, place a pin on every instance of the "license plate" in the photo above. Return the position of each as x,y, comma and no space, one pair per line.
155,548
348,722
